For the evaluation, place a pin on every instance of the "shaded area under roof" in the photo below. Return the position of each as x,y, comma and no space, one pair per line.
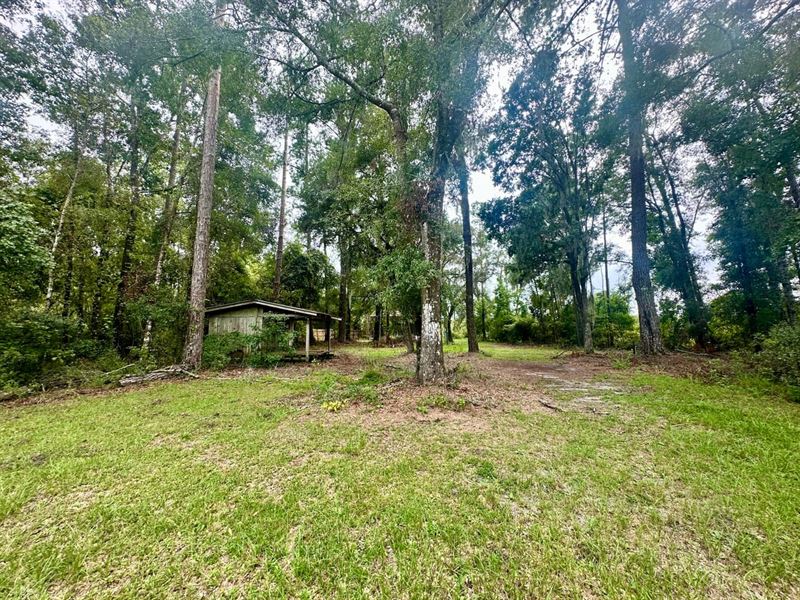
271,307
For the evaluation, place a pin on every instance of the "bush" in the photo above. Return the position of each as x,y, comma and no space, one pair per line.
264,348
224,349
614,324
39,347
780,357
520,330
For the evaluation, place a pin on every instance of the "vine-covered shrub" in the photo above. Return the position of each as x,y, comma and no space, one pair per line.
263,348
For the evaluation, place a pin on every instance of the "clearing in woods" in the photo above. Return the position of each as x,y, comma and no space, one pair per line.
532,474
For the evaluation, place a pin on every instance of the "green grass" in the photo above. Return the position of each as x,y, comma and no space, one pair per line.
507,351
249,488
490,349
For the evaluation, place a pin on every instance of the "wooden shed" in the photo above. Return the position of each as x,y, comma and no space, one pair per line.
248,317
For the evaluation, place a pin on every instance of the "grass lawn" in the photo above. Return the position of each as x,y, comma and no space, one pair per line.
245,486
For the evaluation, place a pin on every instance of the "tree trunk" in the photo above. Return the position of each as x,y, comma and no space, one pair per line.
343,280
583,324
609,329
676,240
449,324
276,286
170,209
466,232
376,331
430,361
193,352
408,336
483,311
782,265
649,326
60,228
121,340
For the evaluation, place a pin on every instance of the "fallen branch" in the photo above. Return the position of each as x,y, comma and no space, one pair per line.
550,406
164,373
120,369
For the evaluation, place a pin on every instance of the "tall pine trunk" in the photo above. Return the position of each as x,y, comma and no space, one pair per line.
649,326
466,232
276,286
193,352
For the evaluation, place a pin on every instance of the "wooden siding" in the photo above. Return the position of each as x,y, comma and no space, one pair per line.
244,320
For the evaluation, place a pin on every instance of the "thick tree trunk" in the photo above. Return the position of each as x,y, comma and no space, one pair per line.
276,285
193,351
168,219
466,232
649,326
120,340
583,324
430,361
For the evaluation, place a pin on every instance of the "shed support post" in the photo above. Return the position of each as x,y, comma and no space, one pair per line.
308,339
328,333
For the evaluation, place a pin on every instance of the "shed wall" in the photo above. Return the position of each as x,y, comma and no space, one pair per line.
244,320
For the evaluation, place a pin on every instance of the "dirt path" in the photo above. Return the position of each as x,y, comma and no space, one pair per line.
479,386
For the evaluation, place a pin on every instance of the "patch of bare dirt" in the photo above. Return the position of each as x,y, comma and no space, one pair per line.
478,387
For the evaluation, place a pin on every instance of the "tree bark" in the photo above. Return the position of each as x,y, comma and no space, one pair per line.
193,351
276,285
466,232
649,326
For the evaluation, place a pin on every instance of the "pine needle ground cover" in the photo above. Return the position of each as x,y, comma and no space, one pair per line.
526,477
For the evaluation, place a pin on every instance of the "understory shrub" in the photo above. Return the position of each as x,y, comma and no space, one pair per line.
780,357
41,350
263,348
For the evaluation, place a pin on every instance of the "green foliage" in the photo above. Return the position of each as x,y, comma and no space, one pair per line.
615,326
263,348
780,355
334,392
441,401
22,257
38,347
402,275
